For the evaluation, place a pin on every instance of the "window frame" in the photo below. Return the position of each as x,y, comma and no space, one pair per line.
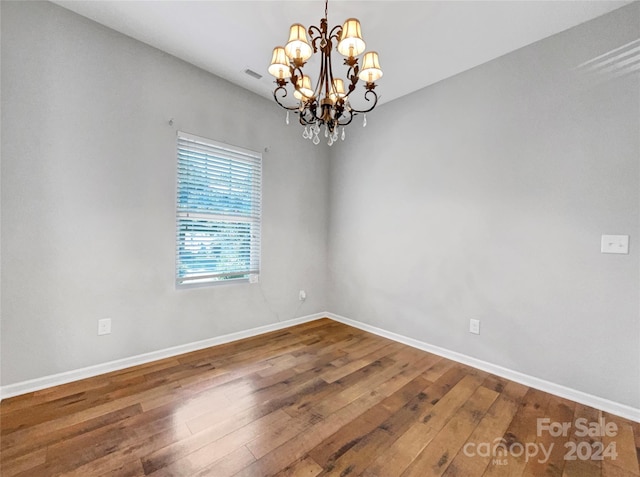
215,219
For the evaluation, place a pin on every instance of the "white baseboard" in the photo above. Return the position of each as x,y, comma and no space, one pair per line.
606,405
613,407
119,364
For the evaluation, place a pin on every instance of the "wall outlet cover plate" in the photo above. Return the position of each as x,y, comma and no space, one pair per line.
614,244
104,326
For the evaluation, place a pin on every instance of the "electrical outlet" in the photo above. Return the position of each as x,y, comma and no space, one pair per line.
302,296
104,326
474,326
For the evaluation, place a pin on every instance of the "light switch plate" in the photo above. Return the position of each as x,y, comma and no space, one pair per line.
615,244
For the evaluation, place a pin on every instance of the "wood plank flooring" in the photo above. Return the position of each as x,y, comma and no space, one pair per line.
316,399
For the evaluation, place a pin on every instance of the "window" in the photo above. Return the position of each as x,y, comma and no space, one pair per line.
218,211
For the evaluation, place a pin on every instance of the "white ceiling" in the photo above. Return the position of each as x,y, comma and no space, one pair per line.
419,42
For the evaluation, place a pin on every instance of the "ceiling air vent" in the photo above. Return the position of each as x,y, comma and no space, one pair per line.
253,74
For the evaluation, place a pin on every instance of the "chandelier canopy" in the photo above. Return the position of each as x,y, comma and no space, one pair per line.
324,101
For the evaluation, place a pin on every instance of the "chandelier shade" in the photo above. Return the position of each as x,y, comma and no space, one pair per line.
370,68
337,91
279,66
303,89
325,100
351,42
298,46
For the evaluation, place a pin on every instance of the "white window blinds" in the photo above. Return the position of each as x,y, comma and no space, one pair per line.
218,211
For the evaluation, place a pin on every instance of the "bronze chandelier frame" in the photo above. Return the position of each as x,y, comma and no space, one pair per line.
327,105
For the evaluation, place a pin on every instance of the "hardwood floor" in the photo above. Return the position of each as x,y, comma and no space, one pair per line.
321,398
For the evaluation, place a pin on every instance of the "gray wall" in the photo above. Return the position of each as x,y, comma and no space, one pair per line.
485,196
88,198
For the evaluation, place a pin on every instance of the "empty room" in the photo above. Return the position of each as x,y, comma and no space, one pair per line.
309,238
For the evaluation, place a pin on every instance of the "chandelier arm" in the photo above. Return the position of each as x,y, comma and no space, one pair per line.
328,80
296,74
325,53
286,93
339,105
335,33
303,120
352,85
316,114
366,96
316,34
323,73
351,116
313,114
352,74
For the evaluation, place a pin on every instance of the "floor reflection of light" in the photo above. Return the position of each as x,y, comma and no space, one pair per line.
209,422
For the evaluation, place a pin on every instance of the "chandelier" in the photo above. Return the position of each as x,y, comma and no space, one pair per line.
327,104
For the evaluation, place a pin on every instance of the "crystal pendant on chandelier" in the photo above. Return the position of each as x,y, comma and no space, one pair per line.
325,100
